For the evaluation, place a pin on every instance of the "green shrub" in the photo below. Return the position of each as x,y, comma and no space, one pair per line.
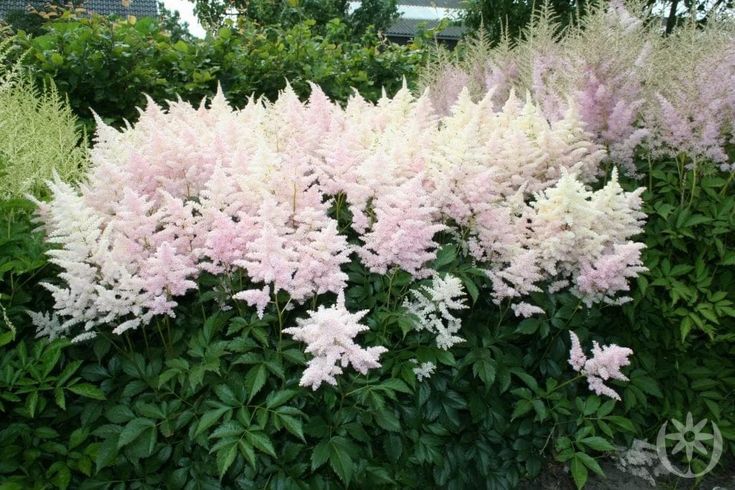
106,66
40,387
212,400
682,318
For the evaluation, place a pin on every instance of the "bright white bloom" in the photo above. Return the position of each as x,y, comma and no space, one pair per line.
424,370
432,304
329,334
526,310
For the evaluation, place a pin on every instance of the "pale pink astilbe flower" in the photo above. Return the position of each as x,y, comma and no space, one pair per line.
572,236
619,215
691,107
187,190
530,152
601,280
577,357
447,86
329,334
258,298
561,226
500,72
516,278
298,253
166,274
608,54
75,231
605,364
572,148
424,370
403,232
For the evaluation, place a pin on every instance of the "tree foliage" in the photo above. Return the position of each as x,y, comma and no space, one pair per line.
285,13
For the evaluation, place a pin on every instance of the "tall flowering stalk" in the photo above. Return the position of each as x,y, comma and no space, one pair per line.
604,365
634,90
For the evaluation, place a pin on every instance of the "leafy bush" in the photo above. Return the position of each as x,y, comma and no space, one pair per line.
107,66
644,98
447,290
40,387
198,266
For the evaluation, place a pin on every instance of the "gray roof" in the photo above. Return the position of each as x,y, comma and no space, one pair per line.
409,27
138,8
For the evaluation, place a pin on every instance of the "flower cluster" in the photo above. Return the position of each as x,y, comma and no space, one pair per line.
329,334
257,194
431,306
604,365
631,87
424,370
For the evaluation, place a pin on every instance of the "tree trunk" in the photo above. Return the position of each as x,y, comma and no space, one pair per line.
671,21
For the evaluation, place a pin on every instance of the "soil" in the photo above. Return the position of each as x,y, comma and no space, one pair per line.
557,478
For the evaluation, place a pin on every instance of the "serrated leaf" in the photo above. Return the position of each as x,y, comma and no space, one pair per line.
88,390
598,443
522,408
106,453
247,452
579,472
647,385
293,425
59,398
228,429
225,394
225,458
621,422
119,414
133,429
395,384
590,463
393,447
278,398
387,420
209,419
255,380
341,463
319,455
261,442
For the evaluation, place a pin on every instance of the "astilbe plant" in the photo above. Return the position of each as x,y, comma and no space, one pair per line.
250,196
39,134
633,89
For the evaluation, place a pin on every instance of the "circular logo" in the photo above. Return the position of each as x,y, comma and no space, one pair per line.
690,439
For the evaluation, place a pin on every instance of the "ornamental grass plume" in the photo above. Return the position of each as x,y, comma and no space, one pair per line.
605,364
